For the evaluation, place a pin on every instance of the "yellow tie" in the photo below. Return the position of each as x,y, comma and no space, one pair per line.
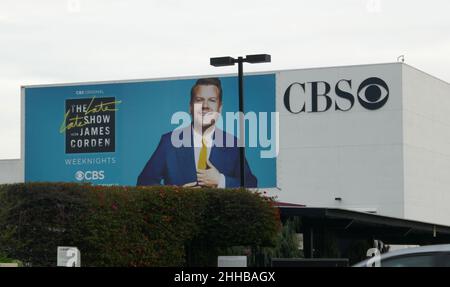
203,154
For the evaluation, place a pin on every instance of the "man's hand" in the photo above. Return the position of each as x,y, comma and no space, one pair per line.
208,177
192,185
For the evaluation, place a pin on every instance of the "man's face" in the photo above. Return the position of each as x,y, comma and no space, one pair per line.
206,106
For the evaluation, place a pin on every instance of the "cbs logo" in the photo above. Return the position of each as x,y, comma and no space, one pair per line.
372,94
90,175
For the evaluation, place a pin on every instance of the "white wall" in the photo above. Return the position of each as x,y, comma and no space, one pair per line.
11,171
426,119
356,155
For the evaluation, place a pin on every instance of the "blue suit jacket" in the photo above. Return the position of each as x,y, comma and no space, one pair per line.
170,165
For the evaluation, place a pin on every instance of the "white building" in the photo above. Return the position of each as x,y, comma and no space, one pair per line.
394,161
11,171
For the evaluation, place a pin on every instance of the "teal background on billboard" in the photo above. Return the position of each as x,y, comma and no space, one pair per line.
142,117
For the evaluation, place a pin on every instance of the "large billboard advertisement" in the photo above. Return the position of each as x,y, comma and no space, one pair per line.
174,132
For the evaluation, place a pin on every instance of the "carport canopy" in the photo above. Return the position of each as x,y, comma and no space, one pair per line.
362,225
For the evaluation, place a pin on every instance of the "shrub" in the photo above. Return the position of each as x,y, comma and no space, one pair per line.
130,226
233,218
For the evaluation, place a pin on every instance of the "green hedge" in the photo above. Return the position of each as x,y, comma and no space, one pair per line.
131,226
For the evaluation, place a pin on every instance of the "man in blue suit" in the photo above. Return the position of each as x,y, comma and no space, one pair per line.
209,159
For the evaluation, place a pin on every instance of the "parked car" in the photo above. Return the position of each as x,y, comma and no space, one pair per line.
424,256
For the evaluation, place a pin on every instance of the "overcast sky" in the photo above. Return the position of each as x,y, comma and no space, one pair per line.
59,41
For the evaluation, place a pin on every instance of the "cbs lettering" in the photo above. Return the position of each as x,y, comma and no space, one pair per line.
372,94
90,175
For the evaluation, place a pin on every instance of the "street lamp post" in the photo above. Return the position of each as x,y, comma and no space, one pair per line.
230,61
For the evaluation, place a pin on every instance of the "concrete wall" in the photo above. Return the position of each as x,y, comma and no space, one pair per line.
11,171
356,154
426,116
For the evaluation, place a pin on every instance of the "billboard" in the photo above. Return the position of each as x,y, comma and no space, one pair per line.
146,132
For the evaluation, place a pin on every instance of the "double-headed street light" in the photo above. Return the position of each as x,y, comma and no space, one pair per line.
230,61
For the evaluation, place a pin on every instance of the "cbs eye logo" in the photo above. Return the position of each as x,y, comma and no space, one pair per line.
373,93
90,175
79,175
